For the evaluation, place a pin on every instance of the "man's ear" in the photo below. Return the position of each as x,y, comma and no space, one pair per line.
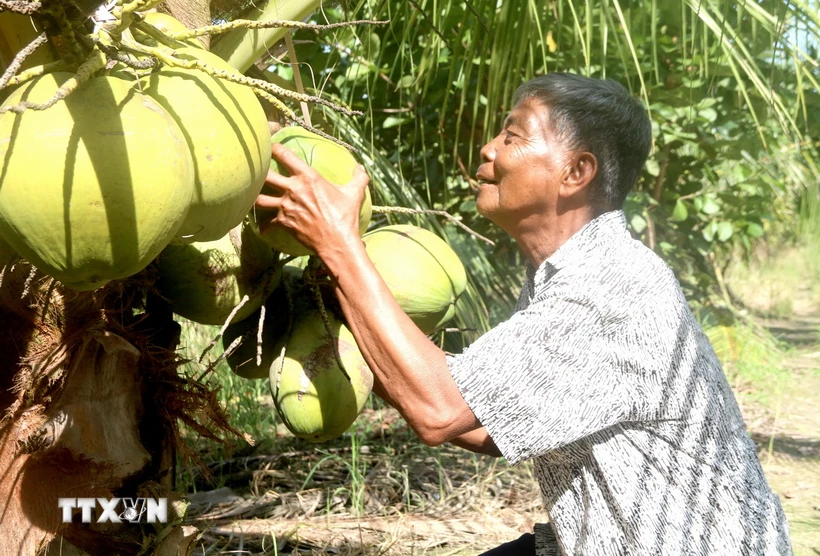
581,170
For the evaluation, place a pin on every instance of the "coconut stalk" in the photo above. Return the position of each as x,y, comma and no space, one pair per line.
242,47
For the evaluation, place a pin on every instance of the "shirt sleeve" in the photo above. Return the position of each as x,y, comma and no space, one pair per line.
543,379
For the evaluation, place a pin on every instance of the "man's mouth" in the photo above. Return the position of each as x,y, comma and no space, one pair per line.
481,183
481,180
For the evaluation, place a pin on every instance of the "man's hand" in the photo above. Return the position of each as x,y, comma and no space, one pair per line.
316,212
410,371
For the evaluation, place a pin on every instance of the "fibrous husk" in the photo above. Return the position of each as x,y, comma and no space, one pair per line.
90,405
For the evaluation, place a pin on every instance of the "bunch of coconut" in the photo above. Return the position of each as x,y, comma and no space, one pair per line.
299,338
95,186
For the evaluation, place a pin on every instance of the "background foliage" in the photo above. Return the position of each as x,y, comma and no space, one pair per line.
732,91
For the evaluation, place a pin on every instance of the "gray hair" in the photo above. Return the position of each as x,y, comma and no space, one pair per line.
600,117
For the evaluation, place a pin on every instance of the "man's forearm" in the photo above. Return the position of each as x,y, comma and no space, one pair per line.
410,370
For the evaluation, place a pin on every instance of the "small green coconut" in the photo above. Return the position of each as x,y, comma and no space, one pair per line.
205,281
332,161
314,397
422,272
228,135
93,188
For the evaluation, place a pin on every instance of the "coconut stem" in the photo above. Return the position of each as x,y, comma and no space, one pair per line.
272,24
95,62
57,11
212,365
157,35
29,279
245,299
444,213
259,330
169,59
128,59
291,116
21,57
35,72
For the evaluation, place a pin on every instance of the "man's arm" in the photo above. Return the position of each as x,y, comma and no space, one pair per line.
411,372
478,441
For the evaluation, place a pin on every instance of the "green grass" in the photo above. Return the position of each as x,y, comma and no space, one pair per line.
753,360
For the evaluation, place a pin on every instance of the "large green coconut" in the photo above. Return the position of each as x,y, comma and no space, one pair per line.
313,396
243,359
93,188
229,137
331,161
422,272
205,281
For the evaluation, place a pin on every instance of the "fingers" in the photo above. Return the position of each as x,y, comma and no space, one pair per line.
359,182
287,158
268,202
277,181
360,178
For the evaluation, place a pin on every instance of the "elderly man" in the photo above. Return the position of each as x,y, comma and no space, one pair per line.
601,376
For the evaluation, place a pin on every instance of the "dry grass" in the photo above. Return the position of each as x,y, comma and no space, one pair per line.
376,490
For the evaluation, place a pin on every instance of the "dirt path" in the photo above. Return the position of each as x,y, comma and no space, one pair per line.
788,434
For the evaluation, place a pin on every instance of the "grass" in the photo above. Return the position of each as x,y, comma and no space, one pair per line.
779,282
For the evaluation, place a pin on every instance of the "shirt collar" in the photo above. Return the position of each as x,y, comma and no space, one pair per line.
578,247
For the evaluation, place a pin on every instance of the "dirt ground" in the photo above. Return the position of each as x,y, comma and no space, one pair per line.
788,436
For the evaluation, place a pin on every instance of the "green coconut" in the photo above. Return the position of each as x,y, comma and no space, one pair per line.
169,25
205,281
243,359
93,188
331,161
228,135
422,272
314,398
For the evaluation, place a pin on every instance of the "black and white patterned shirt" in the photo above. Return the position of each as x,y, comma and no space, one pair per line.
604,377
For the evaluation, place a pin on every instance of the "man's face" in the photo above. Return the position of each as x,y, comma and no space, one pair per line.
522,168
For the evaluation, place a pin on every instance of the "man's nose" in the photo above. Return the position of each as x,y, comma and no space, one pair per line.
487,152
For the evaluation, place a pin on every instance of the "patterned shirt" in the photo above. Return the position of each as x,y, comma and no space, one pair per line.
605,379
